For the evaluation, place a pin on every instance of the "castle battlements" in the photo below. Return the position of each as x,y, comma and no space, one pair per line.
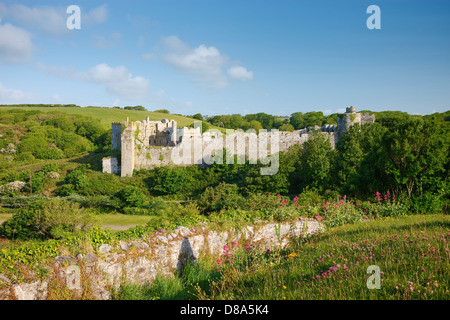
148,144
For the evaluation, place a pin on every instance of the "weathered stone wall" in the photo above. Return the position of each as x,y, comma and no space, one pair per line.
116,136
162,252
148,144
110,165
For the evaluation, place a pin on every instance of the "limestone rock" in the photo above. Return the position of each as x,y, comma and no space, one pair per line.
104,248
53,175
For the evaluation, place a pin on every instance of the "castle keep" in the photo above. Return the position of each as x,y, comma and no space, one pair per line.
148,144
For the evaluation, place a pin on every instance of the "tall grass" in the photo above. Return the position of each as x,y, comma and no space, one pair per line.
412,253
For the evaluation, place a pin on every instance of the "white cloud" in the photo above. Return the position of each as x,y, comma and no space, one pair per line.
240,73
15,44
118,81
50,19
14,95
204,63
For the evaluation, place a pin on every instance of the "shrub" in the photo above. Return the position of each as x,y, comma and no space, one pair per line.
77,179
162,111
26,157
45,220
309,197
340,212
129,197
170,215
37,182
174,180
223,197
429,203
387,206
50,167
65,190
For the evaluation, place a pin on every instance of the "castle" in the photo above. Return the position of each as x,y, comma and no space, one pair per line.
148,144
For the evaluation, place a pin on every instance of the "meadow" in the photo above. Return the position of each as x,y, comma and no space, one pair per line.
108,115
412,253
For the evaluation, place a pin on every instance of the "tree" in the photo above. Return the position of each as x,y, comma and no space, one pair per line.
253,124
137,108
351,149
315,163
162,111
286,127
411,157
129,197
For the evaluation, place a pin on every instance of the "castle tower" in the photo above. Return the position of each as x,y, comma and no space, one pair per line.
346,120
173,138
127,149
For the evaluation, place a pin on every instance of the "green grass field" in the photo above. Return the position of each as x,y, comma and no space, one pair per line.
412,254
108,115
122,220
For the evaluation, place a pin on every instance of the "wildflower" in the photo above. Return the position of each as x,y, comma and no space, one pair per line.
284,287
436,285
218,261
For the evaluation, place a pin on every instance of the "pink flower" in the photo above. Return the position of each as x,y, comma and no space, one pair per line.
218,261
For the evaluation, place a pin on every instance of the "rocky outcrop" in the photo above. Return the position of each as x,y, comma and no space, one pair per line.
139,262
12,187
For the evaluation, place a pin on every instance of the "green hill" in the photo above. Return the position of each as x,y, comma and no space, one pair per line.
106,115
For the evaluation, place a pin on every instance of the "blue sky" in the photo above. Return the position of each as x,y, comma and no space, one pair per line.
224,57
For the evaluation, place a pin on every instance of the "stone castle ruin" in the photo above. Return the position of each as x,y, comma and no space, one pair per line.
148,144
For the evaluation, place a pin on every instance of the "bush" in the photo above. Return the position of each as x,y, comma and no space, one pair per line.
65,190
170,215
37,182
174,180
129,197
50,167
429,203
77,179
339,213
54,219
162,111
223,197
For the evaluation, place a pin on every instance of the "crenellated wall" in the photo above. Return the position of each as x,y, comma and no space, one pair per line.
148,144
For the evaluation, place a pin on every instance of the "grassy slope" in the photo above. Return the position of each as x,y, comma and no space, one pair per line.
108,115
412,252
